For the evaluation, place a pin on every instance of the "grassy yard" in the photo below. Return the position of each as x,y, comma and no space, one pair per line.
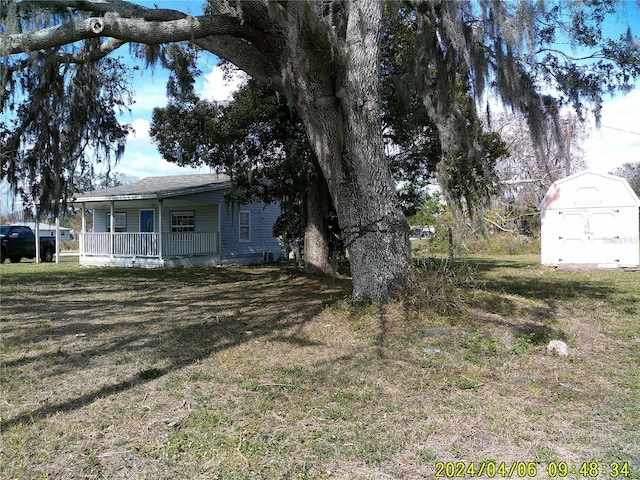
263,372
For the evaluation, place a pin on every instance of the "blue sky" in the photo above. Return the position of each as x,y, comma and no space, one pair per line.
618,139
141,158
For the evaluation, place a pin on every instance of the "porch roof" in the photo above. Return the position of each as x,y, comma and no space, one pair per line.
158,188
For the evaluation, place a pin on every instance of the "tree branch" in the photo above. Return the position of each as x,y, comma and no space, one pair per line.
571,58
73,31
244,56
126,30
94,55
521,181
248,40
123,8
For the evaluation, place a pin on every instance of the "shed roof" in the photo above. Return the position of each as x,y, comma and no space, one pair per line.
158,188
589,189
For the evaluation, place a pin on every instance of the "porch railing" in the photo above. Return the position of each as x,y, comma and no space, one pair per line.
148,244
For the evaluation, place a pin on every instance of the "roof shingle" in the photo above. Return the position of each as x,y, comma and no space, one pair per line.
159,187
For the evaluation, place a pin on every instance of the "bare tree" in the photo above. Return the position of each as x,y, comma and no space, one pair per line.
630,171
527,172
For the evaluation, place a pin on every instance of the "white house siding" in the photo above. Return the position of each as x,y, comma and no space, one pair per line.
590,218
205,216
261,243
100,221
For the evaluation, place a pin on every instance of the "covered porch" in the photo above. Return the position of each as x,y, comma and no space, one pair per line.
143,249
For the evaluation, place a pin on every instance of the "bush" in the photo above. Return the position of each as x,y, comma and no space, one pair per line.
438,287
502,243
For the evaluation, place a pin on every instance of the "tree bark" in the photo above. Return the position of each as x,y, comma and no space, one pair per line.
339,103
317,251
376,232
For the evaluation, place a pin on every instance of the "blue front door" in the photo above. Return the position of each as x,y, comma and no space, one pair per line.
147,226
146,221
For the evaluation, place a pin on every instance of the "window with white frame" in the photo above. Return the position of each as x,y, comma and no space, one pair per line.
119,222
245,226
182,222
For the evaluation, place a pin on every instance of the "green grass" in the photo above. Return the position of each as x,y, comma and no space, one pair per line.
263,372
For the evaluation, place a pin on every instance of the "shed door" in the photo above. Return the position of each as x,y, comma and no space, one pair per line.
589,236
574,245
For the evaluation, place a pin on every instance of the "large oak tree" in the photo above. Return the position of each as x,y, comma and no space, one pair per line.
324,56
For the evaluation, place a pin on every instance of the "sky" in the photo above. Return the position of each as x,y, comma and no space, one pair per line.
616,142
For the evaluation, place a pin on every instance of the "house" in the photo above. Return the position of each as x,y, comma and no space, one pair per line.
48,230
590,218
175,221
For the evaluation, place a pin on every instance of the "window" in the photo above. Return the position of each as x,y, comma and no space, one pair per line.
119,222
182,222
245,226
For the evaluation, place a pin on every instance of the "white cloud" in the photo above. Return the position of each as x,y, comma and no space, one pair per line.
140,131
618,139
219,87
141,158
149,163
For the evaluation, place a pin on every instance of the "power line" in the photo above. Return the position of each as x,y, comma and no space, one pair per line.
621,130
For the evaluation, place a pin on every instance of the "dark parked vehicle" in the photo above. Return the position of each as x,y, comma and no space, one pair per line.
19,241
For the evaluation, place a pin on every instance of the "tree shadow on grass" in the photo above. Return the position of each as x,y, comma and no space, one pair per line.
517,295
534,282
548,294
550,289
169,323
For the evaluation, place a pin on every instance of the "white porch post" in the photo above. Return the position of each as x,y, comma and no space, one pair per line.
160,229
218,235
57,240
37,234
111,229
83,230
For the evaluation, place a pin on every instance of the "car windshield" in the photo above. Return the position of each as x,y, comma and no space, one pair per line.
4,229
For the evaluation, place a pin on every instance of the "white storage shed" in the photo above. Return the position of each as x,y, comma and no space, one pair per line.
590,218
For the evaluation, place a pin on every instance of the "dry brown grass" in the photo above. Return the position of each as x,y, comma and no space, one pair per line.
266,373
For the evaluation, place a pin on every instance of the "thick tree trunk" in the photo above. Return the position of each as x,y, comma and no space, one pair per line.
317,251
340,108
378,236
